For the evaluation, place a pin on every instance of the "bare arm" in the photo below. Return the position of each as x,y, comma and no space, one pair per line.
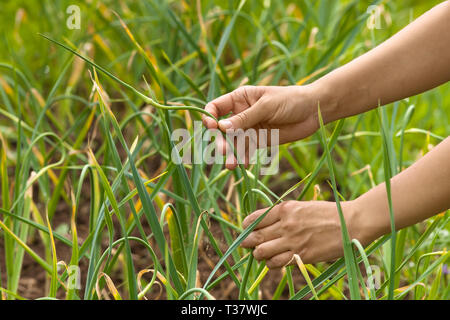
312,228
414,60
419,192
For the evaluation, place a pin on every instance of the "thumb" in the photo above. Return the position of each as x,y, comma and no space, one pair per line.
246,119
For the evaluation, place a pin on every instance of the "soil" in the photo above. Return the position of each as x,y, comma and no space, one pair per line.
34,283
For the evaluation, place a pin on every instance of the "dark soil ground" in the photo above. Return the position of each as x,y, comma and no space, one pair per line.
34,283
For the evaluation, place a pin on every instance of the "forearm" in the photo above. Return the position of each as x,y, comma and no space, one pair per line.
414,60
418,193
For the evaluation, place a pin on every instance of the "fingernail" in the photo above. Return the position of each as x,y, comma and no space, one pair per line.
225,124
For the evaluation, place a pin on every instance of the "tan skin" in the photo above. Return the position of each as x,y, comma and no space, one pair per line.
414,60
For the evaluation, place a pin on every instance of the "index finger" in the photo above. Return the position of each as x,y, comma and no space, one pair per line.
218,107
271,217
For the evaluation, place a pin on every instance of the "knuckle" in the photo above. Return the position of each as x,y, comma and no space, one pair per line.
291,204
242,117
275,262
210,106
235,96
304,254
258,237
289,225
249,220
247,94
264,102
258,253
241,91
285,205
285,225
246,88
284,209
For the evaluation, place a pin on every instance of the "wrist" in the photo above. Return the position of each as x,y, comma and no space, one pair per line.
321,94
341,95
359,224
368,220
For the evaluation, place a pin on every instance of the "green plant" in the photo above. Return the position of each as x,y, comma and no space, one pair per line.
85,147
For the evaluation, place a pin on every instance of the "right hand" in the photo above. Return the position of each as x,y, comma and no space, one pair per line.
291,109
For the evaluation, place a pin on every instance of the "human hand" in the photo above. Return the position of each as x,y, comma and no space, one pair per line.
310,229
291,109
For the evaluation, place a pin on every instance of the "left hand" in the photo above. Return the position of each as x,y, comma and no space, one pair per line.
310,229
